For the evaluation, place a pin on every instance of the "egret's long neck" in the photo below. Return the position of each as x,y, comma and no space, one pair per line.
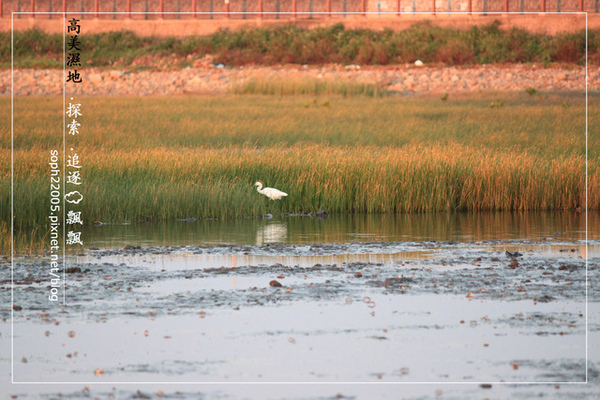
259,187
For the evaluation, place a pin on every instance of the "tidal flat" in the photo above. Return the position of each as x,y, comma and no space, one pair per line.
431,317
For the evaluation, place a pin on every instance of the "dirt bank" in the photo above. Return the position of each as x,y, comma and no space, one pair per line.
207,78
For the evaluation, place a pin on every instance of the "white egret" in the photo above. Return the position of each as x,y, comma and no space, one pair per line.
271,193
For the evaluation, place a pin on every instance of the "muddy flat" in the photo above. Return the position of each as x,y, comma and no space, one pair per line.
431,318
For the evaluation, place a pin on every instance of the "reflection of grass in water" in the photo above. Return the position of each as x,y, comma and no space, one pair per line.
178,157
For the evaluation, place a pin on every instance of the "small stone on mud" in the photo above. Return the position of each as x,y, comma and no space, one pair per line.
140,395
17,308
395,282
513,265
485,386
379,337
358,274
545,299
274,283
513,254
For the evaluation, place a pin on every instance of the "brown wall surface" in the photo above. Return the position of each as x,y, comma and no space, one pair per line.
380,14
177,8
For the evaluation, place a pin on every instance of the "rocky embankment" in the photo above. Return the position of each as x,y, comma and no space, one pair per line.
208,78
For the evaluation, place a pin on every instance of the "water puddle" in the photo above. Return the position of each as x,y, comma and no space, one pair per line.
186,261
384,339
574,250
188,258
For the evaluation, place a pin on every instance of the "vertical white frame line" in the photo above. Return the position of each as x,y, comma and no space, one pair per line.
587,315
64,185
12,202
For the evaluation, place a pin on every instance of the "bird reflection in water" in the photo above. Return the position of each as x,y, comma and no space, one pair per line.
273,232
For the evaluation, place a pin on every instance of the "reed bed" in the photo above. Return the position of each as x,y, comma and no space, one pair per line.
548,125
197,183
186,157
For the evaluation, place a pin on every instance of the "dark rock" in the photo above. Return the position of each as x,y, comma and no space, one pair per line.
322,214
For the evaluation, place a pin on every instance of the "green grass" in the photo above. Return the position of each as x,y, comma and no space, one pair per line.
292,45
286,87
164,158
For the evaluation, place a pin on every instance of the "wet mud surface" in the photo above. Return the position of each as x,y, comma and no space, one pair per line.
503,312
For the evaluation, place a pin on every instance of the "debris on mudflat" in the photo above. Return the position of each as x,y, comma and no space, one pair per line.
543,299
513,254
396,282
274,283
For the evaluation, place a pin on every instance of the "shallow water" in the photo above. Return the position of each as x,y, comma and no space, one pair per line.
385,339
461,227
